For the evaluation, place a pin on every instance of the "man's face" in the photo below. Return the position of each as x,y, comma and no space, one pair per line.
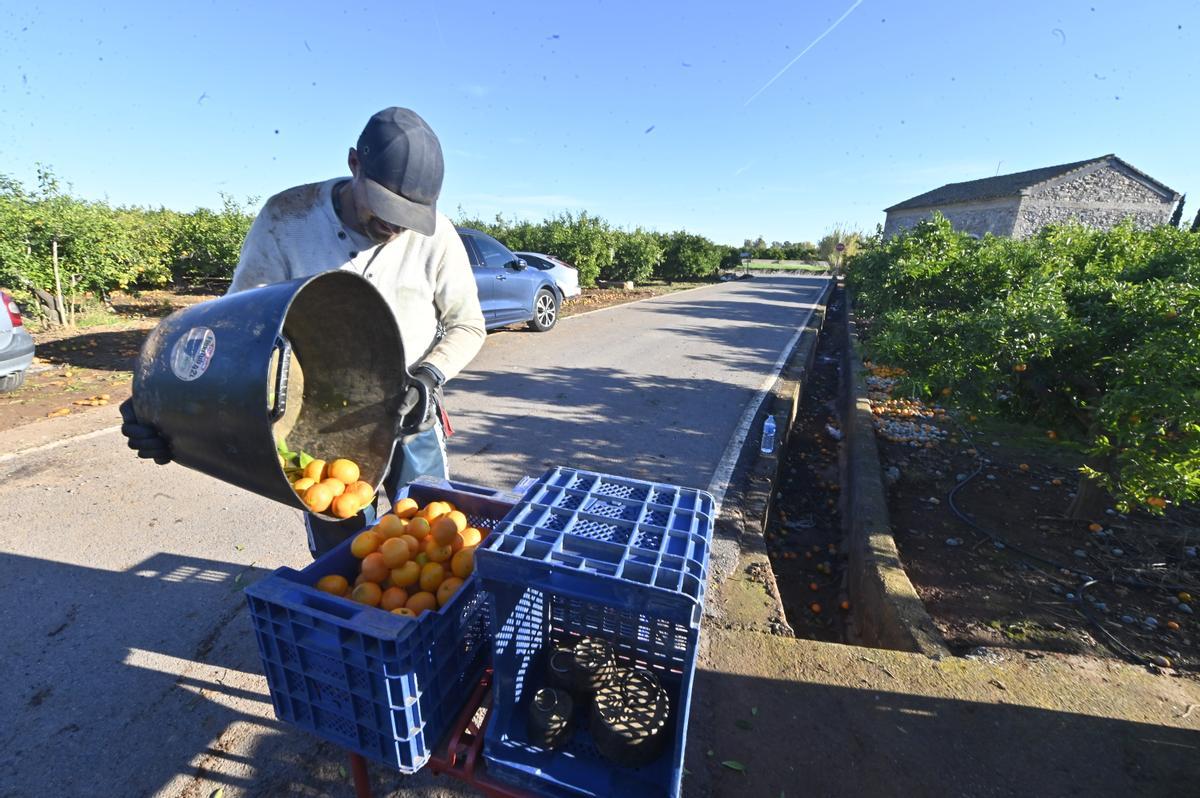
376,229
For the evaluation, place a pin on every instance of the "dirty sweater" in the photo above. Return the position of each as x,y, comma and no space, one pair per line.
425,279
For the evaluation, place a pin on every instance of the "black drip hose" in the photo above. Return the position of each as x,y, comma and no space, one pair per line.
1087,580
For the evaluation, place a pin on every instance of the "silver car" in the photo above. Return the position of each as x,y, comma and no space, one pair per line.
565,276
16,346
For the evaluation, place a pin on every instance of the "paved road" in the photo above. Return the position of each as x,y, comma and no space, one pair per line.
128,661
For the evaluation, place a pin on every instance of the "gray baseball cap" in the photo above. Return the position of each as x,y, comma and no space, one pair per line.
401,161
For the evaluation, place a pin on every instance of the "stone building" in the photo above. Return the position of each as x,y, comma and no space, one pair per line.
1099,193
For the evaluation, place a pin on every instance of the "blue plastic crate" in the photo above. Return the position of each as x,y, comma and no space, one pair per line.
378,684
585,554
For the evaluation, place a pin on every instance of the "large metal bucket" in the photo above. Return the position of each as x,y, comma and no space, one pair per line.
316,360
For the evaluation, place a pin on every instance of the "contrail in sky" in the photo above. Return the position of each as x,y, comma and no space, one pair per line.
828,31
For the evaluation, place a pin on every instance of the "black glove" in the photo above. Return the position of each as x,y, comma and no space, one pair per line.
145,439
421,403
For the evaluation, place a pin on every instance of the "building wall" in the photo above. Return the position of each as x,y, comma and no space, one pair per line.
997,217
1101,198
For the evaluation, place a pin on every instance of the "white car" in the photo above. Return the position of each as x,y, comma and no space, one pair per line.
16,345
565,276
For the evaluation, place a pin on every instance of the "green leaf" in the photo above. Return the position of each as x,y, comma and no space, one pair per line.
754,711
305,459
282,447
217,793
342,771
743,724
733,764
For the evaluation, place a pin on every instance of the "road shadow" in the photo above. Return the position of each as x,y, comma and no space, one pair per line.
803,738
107,350
607,424
104,666
752,736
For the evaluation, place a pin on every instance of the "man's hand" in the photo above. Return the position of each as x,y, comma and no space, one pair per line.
418,410
143,438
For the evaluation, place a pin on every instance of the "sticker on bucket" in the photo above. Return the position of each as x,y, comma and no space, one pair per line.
193,352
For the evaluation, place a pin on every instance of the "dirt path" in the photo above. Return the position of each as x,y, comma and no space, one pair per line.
1014,577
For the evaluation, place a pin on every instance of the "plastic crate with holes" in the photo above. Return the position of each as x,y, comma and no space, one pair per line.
378,684
614,564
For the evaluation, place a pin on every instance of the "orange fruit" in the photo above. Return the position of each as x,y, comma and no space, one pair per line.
363,489
1051,434
435,510
333,583
318,498
395,552
389,527
447,526
405,611
393,598
813,586
1094,527
315,470
303,484
1156,501
358,580
1024,466
365,543
462,564
344,470
406,575
1173,626
406,507
347,505
418,527
447,589
432,575
374,567
336,485
367,593
815,607
421,602
845,605
437,552
414,545
467,538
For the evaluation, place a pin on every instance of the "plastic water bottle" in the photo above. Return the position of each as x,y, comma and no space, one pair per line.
768,435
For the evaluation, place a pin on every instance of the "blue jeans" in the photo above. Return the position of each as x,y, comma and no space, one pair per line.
424,455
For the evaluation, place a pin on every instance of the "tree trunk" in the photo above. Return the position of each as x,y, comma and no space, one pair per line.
59,310
1091,499
45,301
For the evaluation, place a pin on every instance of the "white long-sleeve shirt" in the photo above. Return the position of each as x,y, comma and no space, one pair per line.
425,279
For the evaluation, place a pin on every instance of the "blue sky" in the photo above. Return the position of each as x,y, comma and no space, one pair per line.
636,111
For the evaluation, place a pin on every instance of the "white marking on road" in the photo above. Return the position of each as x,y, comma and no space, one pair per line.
719,483
45,447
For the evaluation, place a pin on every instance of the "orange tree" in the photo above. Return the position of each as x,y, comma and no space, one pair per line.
1092,335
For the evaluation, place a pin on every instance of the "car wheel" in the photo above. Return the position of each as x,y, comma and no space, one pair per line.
11,382
545,310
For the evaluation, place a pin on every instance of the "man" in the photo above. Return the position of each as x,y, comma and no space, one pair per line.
382,223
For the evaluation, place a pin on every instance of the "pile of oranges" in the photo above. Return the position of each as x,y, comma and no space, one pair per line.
333,487
413,561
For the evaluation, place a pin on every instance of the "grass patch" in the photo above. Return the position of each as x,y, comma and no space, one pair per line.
786,266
